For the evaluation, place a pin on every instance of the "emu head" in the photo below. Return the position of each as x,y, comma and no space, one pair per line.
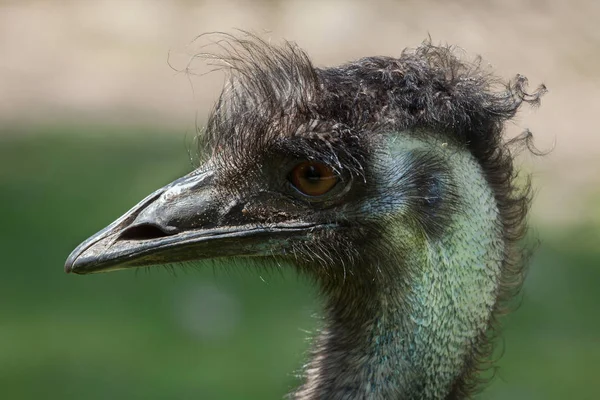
386,179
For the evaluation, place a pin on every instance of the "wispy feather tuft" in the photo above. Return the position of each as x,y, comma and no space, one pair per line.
274,93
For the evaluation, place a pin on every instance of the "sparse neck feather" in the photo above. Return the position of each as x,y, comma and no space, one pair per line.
413,337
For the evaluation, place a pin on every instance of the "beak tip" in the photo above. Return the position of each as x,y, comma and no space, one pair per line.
71,260
68,268
69,265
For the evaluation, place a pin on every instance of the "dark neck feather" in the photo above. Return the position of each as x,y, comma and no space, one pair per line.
411,333
360,352
274,90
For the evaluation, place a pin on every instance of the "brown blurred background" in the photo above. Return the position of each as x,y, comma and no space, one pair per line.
92,117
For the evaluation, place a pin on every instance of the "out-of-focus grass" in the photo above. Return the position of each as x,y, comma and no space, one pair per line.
210,334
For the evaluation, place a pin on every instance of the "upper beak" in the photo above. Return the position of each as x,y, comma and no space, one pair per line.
183,221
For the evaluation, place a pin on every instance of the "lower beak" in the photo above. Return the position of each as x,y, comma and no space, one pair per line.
183,221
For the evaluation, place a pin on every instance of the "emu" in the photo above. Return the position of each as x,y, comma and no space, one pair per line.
387,180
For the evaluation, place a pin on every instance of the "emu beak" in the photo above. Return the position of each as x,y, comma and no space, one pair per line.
184,221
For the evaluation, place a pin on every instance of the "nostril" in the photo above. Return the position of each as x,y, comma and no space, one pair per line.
143,232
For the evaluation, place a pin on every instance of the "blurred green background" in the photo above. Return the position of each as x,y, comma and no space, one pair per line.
82,82
213,334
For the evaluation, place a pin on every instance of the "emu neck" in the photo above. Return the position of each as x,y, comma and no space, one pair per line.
413,337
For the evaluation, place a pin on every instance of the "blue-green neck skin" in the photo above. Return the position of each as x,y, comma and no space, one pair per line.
413,337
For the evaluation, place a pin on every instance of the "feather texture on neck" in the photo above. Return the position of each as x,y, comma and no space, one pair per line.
410,334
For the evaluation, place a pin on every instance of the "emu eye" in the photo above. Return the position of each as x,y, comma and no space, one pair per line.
313,178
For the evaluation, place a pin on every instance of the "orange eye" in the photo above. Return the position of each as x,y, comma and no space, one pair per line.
313,178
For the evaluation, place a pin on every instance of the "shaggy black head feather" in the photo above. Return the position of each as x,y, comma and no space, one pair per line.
276,101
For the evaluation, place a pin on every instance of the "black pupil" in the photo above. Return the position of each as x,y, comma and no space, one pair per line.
312,174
